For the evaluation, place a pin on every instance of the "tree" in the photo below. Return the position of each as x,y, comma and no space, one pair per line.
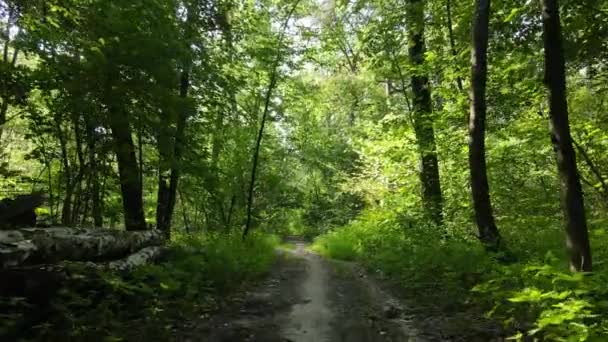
422,109
577,240
273,75
171,144
488,233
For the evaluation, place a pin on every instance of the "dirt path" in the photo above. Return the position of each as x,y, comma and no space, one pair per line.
309,299
310,320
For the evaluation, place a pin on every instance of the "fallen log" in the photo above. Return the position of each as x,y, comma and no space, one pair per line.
40,282
33,246
145,256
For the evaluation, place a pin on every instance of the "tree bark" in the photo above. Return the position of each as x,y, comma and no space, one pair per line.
66,210
165,146
93,174
4,106
577,239
178,152
256,151
128,172
488,233
423,122
171,150
448,8
79,201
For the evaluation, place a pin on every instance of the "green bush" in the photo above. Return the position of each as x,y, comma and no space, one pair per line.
536,297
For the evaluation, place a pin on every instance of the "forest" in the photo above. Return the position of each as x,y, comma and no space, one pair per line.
303,170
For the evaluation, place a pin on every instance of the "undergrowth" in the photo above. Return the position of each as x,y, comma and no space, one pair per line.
150,303
477,295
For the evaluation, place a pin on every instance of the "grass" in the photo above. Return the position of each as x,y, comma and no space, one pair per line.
534,297
149,303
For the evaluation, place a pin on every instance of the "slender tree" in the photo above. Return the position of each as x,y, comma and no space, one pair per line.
577,239
274,74
423,121
488,233
448,8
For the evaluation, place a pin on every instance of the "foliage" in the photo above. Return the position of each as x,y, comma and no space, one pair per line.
532,297
155,300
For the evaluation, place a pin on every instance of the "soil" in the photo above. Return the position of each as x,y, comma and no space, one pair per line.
306,298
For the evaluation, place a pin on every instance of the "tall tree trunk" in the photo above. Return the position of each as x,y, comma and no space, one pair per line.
86,201
488,233
128,171
94,174
256,151
78,196
179,144
448,8
11,18
273,82
213,178
66,209
171,150
577,239
165,147
3,111
140,152
423,122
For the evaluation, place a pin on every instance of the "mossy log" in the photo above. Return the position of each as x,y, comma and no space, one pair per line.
32,246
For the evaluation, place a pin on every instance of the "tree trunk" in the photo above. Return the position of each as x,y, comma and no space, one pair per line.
171,150
3,111
66,210
11,17
448,8
165,146
423,122
94,174
488,233
577,240
79,201
273,82
179,145
128,171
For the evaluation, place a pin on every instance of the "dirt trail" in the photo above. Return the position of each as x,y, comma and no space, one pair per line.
309,299
310,321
